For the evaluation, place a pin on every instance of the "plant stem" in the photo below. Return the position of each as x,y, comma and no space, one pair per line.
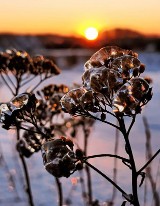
150,157
131,157
42,80
115,165
132,123
96,118
60,194
27,81
18,79
89,184
28,130
107,178
34,123
6,83
26,174
107,155
88,173
83,187
149,161
9,79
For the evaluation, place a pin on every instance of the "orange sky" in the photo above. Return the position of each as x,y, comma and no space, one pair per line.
71,17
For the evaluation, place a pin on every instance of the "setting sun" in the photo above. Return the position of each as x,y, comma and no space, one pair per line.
91,33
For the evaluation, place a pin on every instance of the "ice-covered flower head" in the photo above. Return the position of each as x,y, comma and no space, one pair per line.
111,78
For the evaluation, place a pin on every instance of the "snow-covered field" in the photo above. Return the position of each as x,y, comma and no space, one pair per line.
102,140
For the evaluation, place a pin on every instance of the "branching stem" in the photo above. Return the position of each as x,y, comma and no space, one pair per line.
107,178
149,161
6,83
107,155
131,158
97,118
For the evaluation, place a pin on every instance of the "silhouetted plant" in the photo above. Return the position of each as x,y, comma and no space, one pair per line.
112,86
17,70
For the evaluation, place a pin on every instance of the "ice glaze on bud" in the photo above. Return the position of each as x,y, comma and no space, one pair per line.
130,95
111,78
58,157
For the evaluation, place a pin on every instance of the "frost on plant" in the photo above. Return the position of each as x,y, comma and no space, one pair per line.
112,85
58,157
15,110
131,96
111,78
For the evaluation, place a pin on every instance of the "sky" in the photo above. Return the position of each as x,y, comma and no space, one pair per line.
72,17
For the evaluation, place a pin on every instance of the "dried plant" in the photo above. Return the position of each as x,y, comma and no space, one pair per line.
36,117
111,86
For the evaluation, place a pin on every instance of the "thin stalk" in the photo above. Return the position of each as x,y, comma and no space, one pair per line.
28,130
105,110
42,80
60,193
18,79
132,161
108,100
26,174
107,155
132,123
149,161
156,197
89,181
96,118
115,165
34,123
6,83
10,80
89,184
83,187
27,81
107,178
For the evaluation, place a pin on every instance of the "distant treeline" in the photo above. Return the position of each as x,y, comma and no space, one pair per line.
125,38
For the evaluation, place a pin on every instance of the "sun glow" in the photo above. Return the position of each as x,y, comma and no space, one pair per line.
91,33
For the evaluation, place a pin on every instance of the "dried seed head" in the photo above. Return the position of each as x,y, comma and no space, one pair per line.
59,160
131,95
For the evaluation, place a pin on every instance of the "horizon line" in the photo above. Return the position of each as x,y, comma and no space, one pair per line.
73,35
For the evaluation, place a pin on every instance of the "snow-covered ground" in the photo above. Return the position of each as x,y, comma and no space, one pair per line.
101,140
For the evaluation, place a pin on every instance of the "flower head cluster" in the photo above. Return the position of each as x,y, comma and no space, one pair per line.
14,111
50,120
30,143
59,158
131,96
20,62
79,100
49,105
111,78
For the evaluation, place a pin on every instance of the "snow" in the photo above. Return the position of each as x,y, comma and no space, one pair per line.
101,140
